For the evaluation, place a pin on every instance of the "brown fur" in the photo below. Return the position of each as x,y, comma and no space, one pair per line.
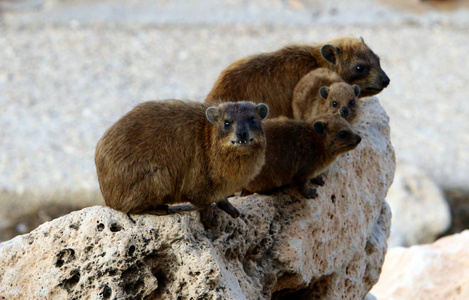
271,77
323,91
299,150
167,152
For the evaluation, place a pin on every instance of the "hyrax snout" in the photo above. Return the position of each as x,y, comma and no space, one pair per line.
167,152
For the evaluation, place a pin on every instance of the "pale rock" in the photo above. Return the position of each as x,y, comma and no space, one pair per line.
419,208
282,246
370,297
431,272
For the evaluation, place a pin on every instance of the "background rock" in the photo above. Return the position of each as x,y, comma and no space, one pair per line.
458,200
331,247
420,210
432,272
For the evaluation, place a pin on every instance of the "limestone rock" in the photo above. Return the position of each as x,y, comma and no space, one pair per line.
282,246
420,211
432,272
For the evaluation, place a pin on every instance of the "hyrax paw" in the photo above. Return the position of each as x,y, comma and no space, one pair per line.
160,210
233,213
227,207
245,193
207,218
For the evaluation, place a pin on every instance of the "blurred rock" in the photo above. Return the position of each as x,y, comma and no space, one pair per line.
458,200
420,212
24,211
282,247
20,5
370,296
431,272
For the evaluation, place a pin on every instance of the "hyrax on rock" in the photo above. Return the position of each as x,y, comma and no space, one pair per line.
271,77
300,150
172,151
323,91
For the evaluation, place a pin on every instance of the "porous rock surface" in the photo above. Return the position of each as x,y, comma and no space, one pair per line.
282,246
432,272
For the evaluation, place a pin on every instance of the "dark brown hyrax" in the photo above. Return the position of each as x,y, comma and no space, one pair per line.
172,151
323,91
300,150
271,77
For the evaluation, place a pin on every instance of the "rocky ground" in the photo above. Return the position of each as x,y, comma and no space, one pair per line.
69,69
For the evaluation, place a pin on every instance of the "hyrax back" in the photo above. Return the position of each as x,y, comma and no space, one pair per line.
271,77
323,91
300,150
166,152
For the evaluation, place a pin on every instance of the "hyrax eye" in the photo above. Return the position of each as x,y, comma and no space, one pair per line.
352,102
253,121
360,68
343,134
227,124
334,104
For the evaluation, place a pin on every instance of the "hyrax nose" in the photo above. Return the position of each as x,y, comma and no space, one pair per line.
359,138
242,134
344,111
385,80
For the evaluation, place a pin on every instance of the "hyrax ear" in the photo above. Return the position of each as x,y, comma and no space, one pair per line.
362,39
356,90
212,114
324,92
329,53
262,110
320,128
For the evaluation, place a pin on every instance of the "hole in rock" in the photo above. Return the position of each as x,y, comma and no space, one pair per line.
132,280
64,256
106,292
100,227
163,267
69,283
131,250
318,289
162,281
115,227
75,226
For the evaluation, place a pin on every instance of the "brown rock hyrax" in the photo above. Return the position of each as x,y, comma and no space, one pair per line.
172,151
271,77
323,91
300,150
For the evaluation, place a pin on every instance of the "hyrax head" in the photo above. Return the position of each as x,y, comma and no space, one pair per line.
238,123
357,64
338,135
340,98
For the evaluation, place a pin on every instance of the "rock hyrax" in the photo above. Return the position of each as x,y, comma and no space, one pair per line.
300,150
271,77
323,91
172,151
